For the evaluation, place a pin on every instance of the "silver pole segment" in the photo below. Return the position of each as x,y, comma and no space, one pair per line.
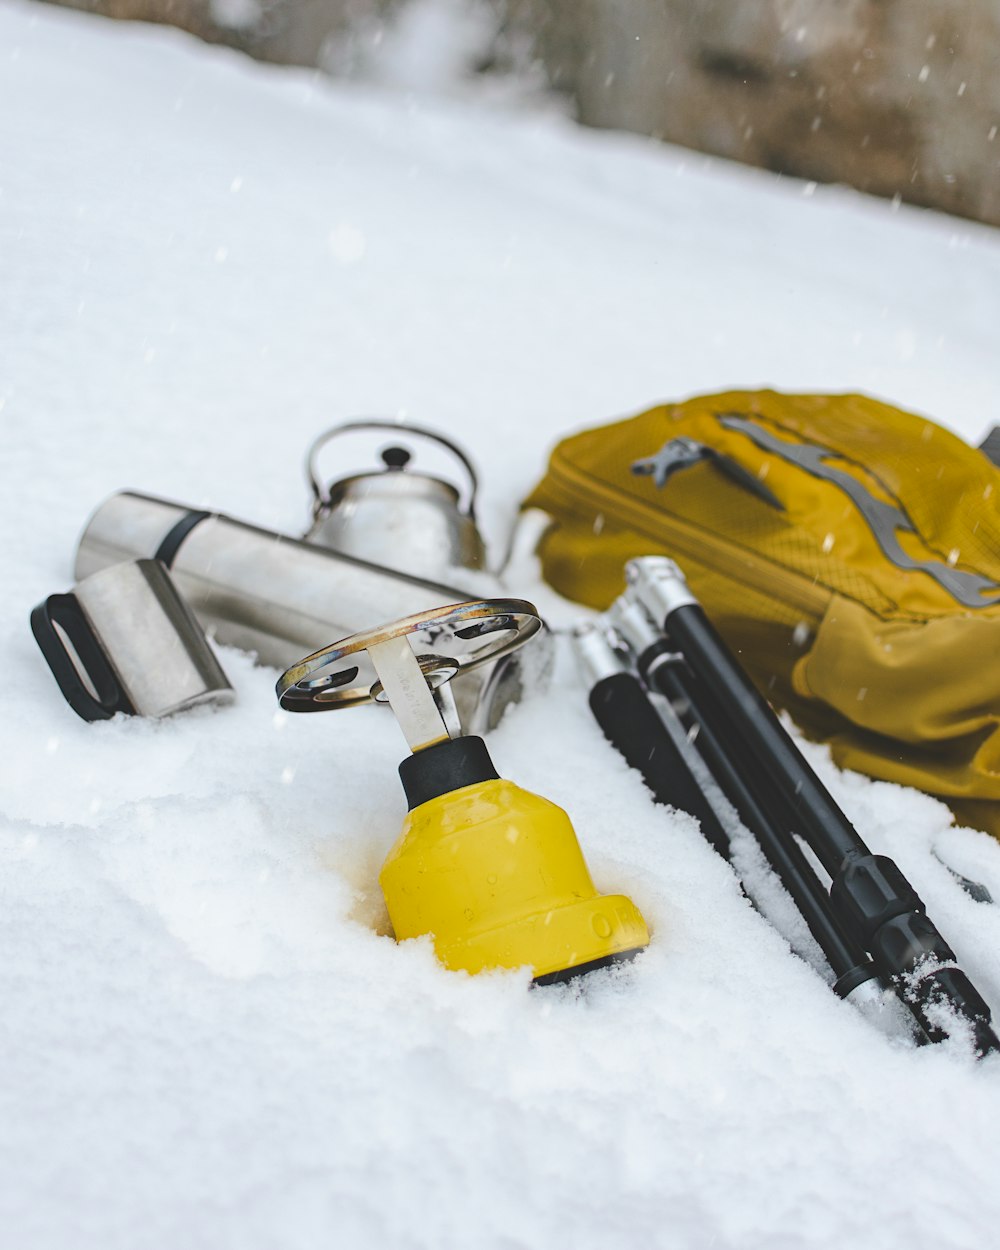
595,655
633,622
659,585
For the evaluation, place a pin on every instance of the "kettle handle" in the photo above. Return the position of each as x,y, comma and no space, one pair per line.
321,493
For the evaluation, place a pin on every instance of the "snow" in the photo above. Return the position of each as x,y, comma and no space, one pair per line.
423,46
208,1037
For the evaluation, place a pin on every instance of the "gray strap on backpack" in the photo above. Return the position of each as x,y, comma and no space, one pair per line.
990,446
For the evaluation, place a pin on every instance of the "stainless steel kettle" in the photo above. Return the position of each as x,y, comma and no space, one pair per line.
397,516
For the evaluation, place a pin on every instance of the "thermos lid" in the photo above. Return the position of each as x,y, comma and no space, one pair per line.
125,641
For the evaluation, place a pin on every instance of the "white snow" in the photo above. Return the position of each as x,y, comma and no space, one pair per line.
208,1038
421,46
236,14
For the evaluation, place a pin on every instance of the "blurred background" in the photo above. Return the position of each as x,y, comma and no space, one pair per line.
898,99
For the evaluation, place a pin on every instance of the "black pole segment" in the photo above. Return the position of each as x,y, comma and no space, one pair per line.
622,709
885,912
821,822
760,813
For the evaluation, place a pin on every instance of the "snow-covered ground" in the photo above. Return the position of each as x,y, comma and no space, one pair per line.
206,1039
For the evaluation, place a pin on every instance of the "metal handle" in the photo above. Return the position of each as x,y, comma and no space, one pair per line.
322,495
65,612
448,640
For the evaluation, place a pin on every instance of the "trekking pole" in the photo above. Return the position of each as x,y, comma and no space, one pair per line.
877,906
855,976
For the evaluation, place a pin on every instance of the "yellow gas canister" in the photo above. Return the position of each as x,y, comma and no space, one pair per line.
496,875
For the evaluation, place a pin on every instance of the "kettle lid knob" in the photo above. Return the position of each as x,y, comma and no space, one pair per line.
396,458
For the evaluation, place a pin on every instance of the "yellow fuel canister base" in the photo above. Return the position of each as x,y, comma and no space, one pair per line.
496,875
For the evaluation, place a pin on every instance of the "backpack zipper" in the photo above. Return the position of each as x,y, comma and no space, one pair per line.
686,539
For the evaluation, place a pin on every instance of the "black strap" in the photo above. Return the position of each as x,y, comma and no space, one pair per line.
168,549
65,612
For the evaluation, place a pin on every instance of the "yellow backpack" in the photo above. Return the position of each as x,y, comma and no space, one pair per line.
848,552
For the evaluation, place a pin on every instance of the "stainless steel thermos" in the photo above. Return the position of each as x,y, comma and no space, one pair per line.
279,596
